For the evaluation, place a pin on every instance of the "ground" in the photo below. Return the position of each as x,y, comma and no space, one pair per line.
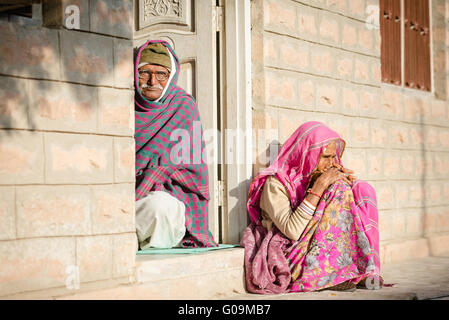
425,278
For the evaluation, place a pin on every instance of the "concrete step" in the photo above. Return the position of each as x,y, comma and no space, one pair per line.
209,275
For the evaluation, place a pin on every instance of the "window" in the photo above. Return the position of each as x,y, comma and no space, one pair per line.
405,43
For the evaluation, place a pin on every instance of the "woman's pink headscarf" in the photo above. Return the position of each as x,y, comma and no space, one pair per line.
295,164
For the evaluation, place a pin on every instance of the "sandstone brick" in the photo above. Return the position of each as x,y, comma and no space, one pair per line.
431,137
21,157
308,19
342,126
323,60
73,158
402,194
124,254
391,104
438,244
377,41
294,55
270,50
417,136
439,111
407,165
369,102
430,221
361,69
385,225
398,224
375,71
425,109
443,139
114,17
385,195
443,219
339,6
124,159
124,63
433,192
441,165
34,264
7,213
412,110
416,196
116,111
14,103
52,211
439,61
413,223
328,95
398,135
329,28
379,133
375,164
29,52
280,17
356,9
113,208
350,99
63,106
307,92
94,258
406,250
366,39
360,132
349,34
281,88
87,58
446,192
392,163
345,65
439,34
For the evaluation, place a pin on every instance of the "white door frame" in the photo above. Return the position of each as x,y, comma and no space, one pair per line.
237,95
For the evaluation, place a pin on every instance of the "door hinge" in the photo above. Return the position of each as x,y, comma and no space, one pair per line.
220,193
219,21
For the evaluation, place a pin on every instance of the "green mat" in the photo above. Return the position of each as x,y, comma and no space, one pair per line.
185,250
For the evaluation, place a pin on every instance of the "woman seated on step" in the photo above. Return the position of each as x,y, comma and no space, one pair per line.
313,225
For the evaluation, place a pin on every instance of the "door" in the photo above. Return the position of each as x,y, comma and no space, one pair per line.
191,29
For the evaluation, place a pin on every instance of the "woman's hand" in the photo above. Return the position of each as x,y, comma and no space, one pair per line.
347,171
330,176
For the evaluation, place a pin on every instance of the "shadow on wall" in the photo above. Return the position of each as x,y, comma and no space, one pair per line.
58,79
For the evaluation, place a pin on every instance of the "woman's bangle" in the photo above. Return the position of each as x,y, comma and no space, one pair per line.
315,194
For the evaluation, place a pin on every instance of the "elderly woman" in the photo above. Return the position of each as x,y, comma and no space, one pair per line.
314,226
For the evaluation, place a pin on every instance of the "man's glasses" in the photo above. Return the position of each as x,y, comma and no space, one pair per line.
146,75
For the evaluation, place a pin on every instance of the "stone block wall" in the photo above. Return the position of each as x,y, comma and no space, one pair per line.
320,60
67,151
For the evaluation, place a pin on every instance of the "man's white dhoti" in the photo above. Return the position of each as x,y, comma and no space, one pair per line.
160,220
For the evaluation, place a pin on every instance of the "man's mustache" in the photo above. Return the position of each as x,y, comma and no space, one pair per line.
156,86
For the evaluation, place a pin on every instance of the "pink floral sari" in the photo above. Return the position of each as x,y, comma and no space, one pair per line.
341,241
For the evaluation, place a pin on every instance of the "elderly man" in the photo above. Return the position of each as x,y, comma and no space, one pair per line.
171,195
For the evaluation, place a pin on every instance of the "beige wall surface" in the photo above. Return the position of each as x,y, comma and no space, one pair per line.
320,60
67,151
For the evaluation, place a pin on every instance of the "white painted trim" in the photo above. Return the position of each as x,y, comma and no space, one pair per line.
238,116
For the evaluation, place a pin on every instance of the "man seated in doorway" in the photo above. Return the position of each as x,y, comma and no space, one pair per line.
171,195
